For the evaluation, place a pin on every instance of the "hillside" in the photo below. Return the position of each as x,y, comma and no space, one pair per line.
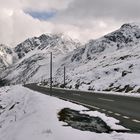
34,57
110,63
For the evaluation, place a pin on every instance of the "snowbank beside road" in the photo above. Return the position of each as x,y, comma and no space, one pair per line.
29,115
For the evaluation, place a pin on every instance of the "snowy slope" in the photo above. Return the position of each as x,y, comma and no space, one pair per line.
34,57
29,115
109,63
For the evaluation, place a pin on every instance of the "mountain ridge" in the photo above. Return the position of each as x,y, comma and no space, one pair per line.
110,63
32,57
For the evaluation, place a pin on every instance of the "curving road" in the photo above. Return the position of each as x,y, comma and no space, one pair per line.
124,108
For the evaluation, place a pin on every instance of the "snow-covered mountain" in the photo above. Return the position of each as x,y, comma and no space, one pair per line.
111,62
61,43
108,63
34,57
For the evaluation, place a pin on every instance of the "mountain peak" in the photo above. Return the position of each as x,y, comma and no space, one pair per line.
131,25
58,42
61,36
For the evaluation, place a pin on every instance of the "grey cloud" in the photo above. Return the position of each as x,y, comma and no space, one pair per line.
45,5
81,19
115,9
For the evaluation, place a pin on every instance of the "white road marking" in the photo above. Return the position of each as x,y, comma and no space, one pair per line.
106,99
80,103
117,114
62,91
103,109
136,121
76,94
110,112
125,117
87,105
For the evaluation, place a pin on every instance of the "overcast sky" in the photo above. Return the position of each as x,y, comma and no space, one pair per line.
80,19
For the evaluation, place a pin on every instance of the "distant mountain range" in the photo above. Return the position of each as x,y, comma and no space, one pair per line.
110,63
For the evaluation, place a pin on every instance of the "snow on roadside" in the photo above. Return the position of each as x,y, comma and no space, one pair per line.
29,115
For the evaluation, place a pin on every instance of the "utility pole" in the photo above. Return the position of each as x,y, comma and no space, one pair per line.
51,73
64,76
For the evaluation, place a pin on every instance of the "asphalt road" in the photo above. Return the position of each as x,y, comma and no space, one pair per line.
124,108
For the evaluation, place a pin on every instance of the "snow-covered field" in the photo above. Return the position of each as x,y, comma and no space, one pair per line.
29,115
